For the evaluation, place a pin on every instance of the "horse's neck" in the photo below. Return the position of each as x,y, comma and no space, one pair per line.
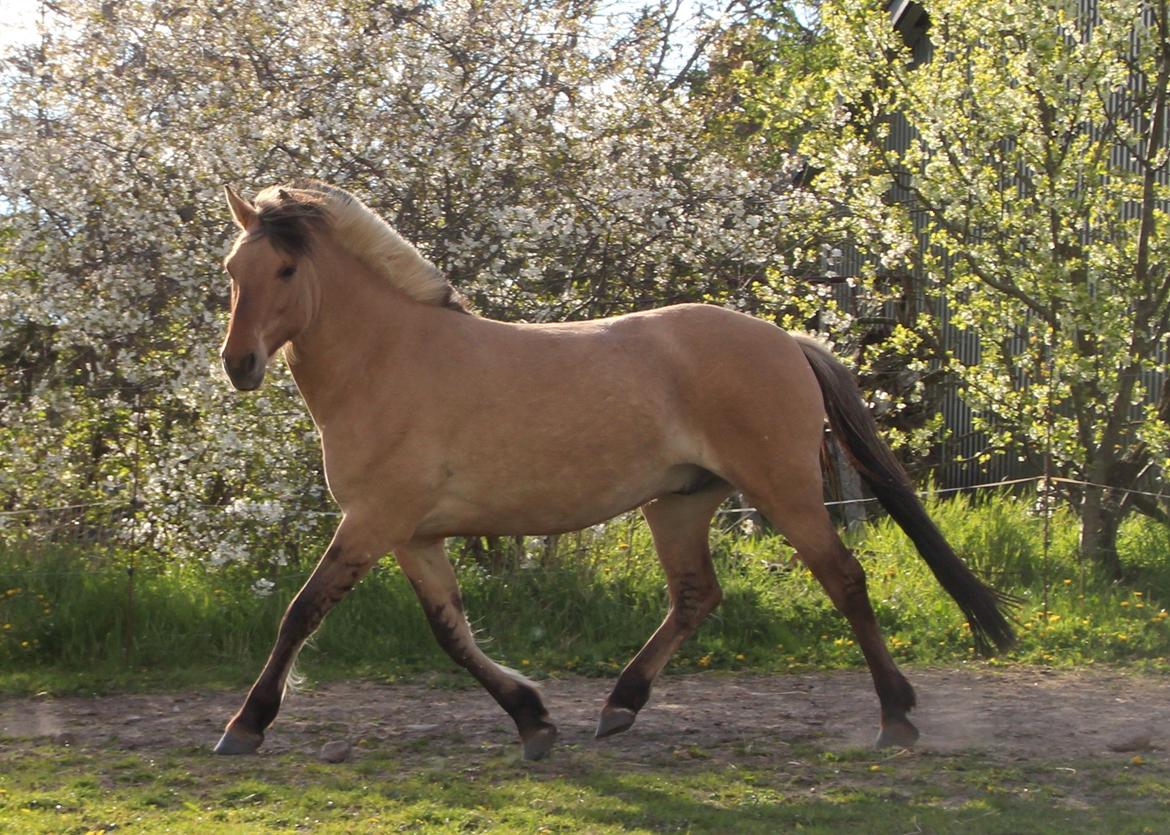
359,318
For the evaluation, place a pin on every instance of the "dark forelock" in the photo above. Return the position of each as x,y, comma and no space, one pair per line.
289,218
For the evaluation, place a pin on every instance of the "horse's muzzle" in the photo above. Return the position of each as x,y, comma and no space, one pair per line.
247,372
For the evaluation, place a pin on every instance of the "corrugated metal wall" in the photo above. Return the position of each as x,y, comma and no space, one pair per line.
964,443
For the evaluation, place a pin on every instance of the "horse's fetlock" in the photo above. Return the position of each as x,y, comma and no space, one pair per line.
630,692
257,713
525,707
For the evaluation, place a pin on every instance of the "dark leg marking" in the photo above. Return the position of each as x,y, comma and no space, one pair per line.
693,596
630,692
245,731
516,696
848,589
690,607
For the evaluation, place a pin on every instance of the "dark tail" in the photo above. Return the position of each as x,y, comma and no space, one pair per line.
856,431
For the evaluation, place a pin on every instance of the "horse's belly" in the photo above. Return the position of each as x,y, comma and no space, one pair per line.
548,506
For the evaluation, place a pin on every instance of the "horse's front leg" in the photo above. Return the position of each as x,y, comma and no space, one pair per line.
426,565
348,559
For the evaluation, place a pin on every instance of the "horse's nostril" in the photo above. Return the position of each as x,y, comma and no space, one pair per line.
243,368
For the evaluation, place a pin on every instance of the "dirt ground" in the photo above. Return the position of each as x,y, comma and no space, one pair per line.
1019,714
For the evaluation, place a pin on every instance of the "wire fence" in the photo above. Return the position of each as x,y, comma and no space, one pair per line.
109,526
120,509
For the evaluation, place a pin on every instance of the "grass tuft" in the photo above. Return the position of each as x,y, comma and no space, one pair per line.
583,605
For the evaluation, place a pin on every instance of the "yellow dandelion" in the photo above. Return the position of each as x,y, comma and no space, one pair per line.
1125,604
739,656
705,661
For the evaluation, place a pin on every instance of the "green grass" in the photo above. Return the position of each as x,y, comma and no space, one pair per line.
585,608
386,789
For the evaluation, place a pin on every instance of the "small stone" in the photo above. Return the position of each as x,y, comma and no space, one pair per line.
337,751
1137,742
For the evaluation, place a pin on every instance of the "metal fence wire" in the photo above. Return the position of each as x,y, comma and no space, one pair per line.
107,528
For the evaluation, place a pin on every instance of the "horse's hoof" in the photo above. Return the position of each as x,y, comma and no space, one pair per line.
238,742
898,733
614,720
539,742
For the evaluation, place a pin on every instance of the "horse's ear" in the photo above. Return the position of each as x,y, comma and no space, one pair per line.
243,212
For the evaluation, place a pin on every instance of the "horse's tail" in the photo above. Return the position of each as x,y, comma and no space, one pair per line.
856,432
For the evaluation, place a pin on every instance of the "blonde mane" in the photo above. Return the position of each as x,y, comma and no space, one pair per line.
288,213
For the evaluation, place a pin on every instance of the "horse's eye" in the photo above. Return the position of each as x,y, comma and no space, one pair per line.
288,272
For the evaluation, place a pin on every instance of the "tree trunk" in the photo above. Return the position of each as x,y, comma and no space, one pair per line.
1100,520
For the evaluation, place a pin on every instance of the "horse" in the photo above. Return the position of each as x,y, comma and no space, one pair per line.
436,422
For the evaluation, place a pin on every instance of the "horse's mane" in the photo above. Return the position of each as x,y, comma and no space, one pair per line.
290,214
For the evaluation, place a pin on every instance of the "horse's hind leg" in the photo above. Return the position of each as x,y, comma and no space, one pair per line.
426,565
802,518
348,558
679,524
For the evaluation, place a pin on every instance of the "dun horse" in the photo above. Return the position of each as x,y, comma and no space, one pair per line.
436,423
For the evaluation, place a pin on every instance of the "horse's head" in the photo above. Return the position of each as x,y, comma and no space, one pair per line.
273,294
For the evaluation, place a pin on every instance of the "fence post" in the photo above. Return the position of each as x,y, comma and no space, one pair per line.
1049,419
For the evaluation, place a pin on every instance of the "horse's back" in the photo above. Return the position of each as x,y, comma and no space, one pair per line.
743,390
730,362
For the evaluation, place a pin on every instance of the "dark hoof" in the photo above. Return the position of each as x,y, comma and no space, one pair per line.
238,742
539,742
898,733
614,720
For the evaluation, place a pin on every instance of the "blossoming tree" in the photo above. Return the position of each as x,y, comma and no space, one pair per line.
545,153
